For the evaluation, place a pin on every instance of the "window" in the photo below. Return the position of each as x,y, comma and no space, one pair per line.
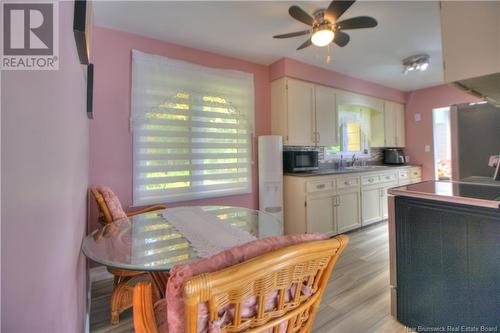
351,136
192,129
354,127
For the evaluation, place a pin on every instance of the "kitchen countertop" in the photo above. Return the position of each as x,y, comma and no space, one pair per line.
331,171
474,194
481,180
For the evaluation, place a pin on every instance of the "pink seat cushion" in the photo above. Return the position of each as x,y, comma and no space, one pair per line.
113,203
160,309
182,273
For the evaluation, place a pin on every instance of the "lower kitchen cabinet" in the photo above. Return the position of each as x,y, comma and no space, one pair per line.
385,202
372,206
336,204
348,215
320,213
333,213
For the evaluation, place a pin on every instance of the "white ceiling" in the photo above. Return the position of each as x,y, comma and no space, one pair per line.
244,30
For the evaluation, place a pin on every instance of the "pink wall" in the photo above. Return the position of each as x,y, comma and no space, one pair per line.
110,137
419,134
44,185
299,70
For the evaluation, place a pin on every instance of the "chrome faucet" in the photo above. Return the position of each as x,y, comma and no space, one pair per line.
354,159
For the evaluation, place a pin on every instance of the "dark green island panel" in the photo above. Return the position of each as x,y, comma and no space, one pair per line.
447,264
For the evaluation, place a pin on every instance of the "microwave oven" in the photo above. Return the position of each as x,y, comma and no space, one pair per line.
300,160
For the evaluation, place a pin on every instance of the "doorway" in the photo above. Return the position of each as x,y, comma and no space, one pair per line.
442,143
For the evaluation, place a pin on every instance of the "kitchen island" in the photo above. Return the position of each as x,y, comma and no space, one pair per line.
445,256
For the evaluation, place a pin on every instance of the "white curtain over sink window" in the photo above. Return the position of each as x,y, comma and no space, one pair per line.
192,128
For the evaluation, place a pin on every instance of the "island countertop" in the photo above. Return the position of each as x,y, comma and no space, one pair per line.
466,193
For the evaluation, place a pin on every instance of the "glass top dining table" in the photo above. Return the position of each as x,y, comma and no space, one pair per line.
148,242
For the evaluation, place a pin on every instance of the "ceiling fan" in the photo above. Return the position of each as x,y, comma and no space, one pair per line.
325,25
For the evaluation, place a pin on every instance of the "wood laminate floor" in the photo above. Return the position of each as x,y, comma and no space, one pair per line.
356,299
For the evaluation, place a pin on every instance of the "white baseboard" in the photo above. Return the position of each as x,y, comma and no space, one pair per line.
99,273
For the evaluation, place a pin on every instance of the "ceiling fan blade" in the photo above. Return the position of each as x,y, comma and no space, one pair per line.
359,22
292,34
341,38
305,44
300,15
336,9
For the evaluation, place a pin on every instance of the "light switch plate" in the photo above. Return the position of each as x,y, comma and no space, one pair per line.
418,117
427,148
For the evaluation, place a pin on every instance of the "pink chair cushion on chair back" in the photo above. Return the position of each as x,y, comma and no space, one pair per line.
113,203
182,273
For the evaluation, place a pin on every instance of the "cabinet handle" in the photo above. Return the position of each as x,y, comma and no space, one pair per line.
370,180
338,201
318,139
347,183
320,186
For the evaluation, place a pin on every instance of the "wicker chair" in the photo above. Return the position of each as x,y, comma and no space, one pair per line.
306,266
121,297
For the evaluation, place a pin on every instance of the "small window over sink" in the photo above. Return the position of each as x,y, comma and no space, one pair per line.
354,131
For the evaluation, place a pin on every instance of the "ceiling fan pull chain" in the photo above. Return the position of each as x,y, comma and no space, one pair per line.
328,58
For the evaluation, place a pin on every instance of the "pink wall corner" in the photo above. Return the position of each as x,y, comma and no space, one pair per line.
110,136
419,134
299,70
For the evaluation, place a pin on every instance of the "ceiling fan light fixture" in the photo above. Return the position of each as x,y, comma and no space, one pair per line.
322,37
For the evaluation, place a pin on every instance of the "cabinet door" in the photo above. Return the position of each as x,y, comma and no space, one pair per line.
371,206
389,124
377,137
320,214
347,212
300,113
326,116
399,111
384,203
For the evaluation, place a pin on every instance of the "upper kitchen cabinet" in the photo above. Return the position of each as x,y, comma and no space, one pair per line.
469,27
306,114
326,116
394,124
303,113
292,111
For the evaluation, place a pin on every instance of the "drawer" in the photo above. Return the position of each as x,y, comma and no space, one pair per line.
404,174
415,173
389,177
369,180
320,185
415,180
347,182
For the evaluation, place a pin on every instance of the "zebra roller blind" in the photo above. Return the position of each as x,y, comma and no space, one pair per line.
192,129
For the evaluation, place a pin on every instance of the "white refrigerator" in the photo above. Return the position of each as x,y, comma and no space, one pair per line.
271,175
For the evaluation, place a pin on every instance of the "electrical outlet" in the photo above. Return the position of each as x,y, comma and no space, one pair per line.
418,117
427,148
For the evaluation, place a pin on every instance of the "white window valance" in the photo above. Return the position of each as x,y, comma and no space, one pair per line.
192,128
